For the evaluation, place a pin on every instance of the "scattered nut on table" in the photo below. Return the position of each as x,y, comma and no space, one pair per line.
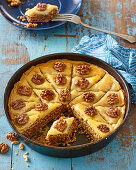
21,146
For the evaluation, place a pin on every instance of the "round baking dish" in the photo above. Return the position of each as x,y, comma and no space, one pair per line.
81,147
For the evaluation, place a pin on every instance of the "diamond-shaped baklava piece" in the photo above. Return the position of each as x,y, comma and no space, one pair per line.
61,131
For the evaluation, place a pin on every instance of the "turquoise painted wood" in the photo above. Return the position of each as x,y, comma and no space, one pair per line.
18,46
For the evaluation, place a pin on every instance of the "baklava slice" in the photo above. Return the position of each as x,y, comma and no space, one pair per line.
84,83
83,69
47,95
23,92
84,113
59,81
107,83
88,98
36,79
98,130
112,98
61,132
42,13
55,67
112,115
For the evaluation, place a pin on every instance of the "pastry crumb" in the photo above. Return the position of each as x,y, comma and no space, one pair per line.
31,25
14,2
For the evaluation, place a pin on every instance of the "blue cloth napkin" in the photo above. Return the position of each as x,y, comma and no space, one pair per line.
104,47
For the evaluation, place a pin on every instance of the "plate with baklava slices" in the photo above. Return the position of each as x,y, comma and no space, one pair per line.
37,15
67,104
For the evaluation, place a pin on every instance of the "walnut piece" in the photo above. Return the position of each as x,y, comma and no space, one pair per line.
47,94
103,128
83,69
24,90
37,79
60,125
21,146
88,97
41,7
59,66
65,95
82,83
18,104
112,98
12,136
4,148
91,111
113,112
41,107
60,79
21,119
25,157
15,142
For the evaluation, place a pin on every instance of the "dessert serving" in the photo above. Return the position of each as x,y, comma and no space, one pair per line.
64,95
42,13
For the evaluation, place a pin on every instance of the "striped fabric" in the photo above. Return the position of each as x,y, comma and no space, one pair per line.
106,48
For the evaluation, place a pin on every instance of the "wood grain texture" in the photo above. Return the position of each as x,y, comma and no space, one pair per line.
18,46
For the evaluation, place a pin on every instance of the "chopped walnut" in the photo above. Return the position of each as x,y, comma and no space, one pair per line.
65,95
60,79
60,125
21,119
103,128
21,146
41,7
82,83
12,136
18,104
83,69
15,142
14,2
31,25
47,94
112,98
24,90
59,66
91,111
88,97
41,107
4,148
37,79
113,112
25,157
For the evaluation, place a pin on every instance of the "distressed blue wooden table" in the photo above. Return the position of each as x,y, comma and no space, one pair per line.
17,47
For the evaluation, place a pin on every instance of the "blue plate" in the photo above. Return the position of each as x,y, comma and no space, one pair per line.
11,13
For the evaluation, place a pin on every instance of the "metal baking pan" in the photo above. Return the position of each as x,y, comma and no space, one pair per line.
81,146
